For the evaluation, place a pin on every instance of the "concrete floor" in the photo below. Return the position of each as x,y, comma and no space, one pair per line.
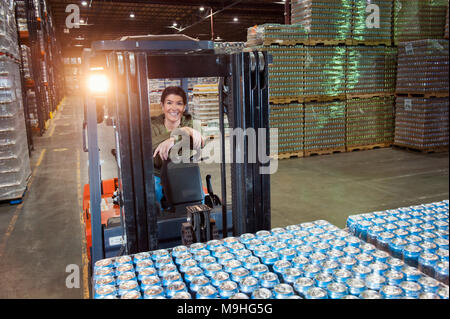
40,238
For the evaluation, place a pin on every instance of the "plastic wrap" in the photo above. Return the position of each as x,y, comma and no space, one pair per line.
370,121
423,67
362,32
276,33
8,29
371,70
419,19
288,119
446,26
228,47
324,125
422,123
323,19
21,13
14,160
324,71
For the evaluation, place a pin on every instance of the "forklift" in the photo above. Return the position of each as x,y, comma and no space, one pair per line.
122,215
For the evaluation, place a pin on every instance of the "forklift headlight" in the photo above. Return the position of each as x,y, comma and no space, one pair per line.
98,83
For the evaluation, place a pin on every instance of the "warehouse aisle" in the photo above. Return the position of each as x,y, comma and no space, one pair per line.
43,235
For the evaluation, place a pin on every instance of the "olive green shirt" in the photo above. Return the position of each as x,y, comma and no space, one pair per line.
160,134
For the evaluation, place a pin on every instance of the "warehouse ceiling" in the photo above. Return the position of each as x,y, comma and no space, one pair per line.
112,19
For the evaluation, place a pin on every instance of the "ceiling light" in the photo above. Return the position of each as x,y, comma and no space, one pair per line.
78,45
235,19
132,15
79,38
174,24
81,21
202,8
84,3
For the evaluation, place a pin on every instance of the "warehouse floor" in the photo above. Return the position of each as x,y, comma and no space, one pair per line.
41,240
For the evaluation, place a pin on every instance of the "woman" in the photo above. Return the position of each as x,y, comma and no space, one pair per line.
173,103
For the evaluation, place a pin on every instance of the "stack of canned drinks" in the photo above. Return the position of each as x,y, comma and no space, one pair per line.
314,260
418,235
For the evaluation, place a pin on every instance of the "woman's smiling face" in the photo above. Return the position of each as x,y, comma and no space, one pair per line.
173,107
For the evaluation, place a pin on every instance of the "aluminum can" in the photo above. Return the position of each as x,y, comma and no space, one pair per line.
401,233
258,270
311,240
278,246
347,262
178,250
384,240
362,228
290,275
373,232
361,271
411,288
242,254
413,239
133,294
390,228
300,234
149,271
104,281
219,251
124,268
311,270
283,291
269,280
270,240
322,280
205,261
329,266
262,234
352,221
250,262
163,261
307,226
317,258
305,250
192,272
326,237
380,256
270,258
300,262
442,272
229,241
248,284
397,246
411,273
367,248
428,295
227,289
355,286
160,253
219,277
182,295
104,263
322,247
429,284
237,247
196,247
198,282
331,229
295,243
123,260
239,295
213,244
287,254
143,264
126,276
336,290
379,268
321,223
391,292
171,278
335,254
370,294
281,265
411,255
316,293
379,221
302,285
341,275
167,269
207,292
350,297
402,224
261,250
428,227
351,251
245,238
239,273
441,224
442,233
427,262
149,281
292,228
316,231
394,278
176,287
254,243
126,286
414,230
231,265
262,293
202,253
182,257
353,241
364,259
105,291
188,264
375,281
342,234
212,268
224,258
441,243
443,292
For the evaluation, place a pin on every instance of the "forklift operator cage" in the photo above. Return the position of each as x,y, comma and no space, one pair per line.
243,97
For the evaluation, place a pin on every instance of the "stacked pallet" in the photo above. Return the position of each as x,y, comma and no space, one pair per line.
282,34
205,111
423,67
419,19
324,73
326,21
288,119
370,71
367,31
8,29
369,123
446,26
422,123
324,131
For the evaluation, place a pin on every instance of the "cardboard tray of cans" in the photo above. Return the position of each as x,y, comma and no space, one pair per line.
315,260
288,119
418,235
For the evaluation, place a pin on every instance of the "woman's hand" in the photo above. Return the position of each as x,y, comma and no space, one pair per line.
196,137
164,148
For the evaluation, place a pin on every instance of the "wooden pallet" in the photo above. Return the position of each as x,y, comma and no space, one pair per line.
422,95
288,155
285,100
285,42
319,42
422,150
324,98
367,147
370,43
324,151
366,95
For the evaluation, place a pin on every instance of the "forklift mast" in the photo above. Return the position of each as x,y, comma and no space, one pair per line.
243,98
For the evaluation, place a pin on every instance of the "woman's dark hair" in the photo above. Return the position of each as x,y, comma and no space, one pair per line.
176,90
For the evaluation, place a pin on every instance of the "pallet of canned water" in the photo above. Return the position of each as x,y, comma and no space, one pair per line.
314,260
369,123
326,21
324,127
418,19
8,29
417,234
364,33
282,34
371,71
